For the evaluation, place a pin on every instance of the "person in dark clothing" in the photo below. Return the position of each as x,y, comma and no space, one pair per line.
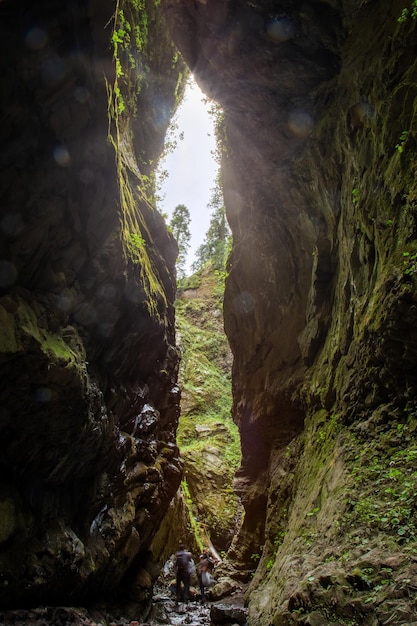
202,566
182,568
211,561
205,567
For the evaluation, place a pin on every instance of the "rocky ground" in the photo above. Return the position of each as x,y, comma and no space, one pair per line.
224,605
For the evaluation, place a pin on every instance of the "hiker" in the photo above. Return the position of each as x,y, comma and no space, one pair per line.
205,566
212,562
183,563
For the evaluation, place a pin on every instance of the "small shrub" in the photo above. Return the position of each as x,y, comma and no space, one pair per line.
406,13
410,263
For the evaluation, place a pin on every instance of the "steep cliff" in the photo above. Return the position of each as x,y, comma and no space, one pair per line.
89,401
320,308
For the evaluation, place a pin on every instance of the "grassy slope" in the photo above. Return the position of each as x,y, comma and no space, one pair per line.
208,438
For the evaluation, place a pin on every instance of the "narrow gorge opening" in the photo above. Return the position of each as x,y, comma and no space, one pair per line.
190,195
187,172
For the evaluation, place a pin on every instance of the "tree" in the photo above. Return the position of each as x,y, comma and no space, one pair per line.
179,225
215,247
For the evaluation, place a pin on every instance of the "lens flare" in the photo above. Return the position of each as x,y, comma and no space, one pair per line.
61,156
36,38
280,29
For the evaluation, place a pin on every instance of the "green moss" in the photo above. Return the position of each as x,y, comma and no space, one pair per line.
21,332
136,25
408,13
197,530
384,471
202,337
134,232
225,440
51,344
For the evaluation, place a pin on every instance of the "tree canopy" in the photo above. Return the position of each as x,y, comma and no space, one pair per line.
215,246
179,224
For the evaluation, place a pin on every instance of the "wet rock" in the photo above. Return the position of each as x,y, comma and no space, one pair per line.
315,619
159,614
223,587
224,614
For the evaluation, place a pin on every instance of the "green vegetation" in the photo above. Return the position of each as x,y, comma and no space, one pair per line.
410,263
135,245
137,25
207,436
196,529
179,226
213,254
52,345
255,557
132,223
220,134
205,378
279,538
385,473
204,351
217,242
401,142
408,13
191,282
313,512
129,38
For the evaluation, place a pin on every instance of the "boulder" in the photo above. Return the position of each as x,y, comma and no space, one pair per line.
225,614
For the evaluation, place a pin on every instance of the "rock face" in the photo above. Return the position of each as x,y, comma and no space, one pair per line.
88,361
319,175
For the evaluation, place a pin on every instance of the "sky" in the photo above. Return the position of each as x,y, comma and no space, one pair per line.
191,167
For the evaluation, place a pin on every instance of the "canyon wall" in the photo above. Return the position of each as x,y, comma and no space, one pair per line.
318,169
89,409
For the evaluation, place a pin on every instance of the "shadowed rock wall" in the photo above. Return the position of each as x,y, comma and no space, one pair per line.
319,182
89,402
269,90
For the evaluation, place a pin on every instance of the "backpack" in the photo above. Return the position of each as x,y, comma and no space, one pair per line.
182,562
